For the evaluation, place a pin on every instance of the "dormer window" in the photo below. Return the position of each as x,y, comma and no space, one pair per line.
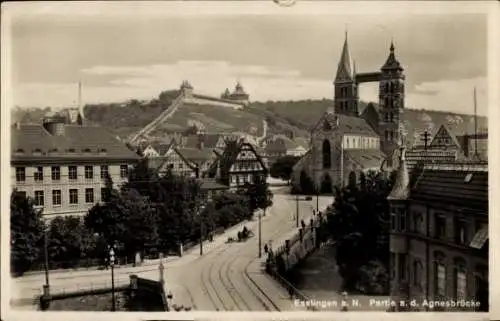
468,177
37,151
19,151
102,151
86,150
71,150
53,150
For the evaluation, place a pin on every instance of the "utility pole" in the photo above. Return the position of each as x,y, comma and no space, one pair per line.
475,124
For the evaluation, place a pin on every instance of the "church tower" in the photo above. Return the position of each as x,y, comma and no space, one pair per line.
391,101
346,91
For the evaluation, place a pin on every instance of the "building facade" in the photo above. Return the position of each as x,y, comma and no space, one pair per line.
63,167
439,236
345,142
239,164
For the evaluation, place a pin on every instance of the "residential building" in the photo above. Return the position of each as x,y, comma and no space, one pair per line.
439,235
238,165
63,166
280,145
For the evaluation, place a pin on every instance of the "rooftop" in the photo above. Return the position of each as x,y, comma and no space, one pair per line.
464,185
34,142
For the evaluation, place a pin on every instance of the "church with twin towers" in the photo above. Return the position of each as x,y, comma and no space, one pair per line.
346,141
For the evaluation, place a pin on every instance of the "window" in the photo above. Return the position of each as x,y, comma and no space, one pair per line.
460,282
417,272
417,219
402,219
402,267
460,231
89,195
393,220
20,174
440,279
327,157
39,199
391,135
89,172
73,196
56,197
39,174
181,165
104,194
104,171
386,135
123,171
72,172
56,173
440,226
393,265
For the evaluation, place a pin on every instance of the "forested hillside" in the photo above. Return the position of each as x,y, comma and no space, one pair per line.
288,117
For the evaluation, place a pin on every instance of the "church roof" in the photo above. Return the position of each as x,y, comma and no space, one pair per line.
392,62
401,188
365,158
355,125
344,71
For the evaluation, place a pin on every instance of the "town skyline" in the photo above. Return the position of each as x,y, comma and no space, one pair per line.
275,56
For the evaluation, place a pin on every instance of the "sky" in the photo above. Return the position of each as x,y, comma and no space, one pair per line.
136,53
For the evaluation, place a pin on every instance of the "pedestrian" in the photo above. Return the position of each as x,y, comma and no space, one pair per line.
290,292
266,248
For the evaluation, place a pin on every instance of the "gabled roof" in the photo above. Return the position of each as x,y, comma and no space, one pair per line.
445,130
354,125
365,158
209,140
280,143
301,141
33,141
464,185
162,148
196,155
228,157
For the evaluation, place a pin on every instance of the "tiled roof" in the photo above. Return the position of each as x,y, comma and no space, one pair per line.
196,155
355,125
30,142
280,143
301,141
209,140
365,158
211,184
453,185
161,148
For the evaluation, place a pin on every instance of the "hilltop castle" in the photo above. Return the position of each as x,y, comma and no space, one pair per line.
344,142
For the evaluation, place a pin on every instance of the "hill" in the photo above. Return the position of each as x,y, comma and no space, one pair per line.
288,117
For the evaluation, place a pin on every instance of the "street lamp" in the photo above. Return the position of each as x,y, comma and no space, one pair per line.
202,207
46,287
260,232
317,198
112,263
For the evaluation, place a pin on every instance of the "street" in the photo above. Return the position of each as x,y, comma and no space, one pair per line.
227,277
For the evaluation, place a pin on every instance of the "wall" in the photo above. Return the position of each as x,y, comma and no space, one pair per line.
65,184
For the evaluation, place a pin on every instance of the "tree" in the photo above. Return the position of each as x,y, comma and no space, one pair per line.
26,232
259,195
127,218
68,240
359,224
283,167
142,178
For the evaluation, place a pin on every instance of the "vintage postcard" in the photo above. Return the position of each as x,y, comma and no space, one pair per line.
234,159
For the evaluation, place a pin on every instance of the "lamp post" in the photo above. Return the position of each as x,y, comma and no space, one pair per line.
46,255
202,207
112,263
317,198
161,269
260,233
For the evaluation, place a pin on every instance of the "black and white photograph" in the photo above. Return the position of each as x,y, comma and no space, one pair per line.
254,156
